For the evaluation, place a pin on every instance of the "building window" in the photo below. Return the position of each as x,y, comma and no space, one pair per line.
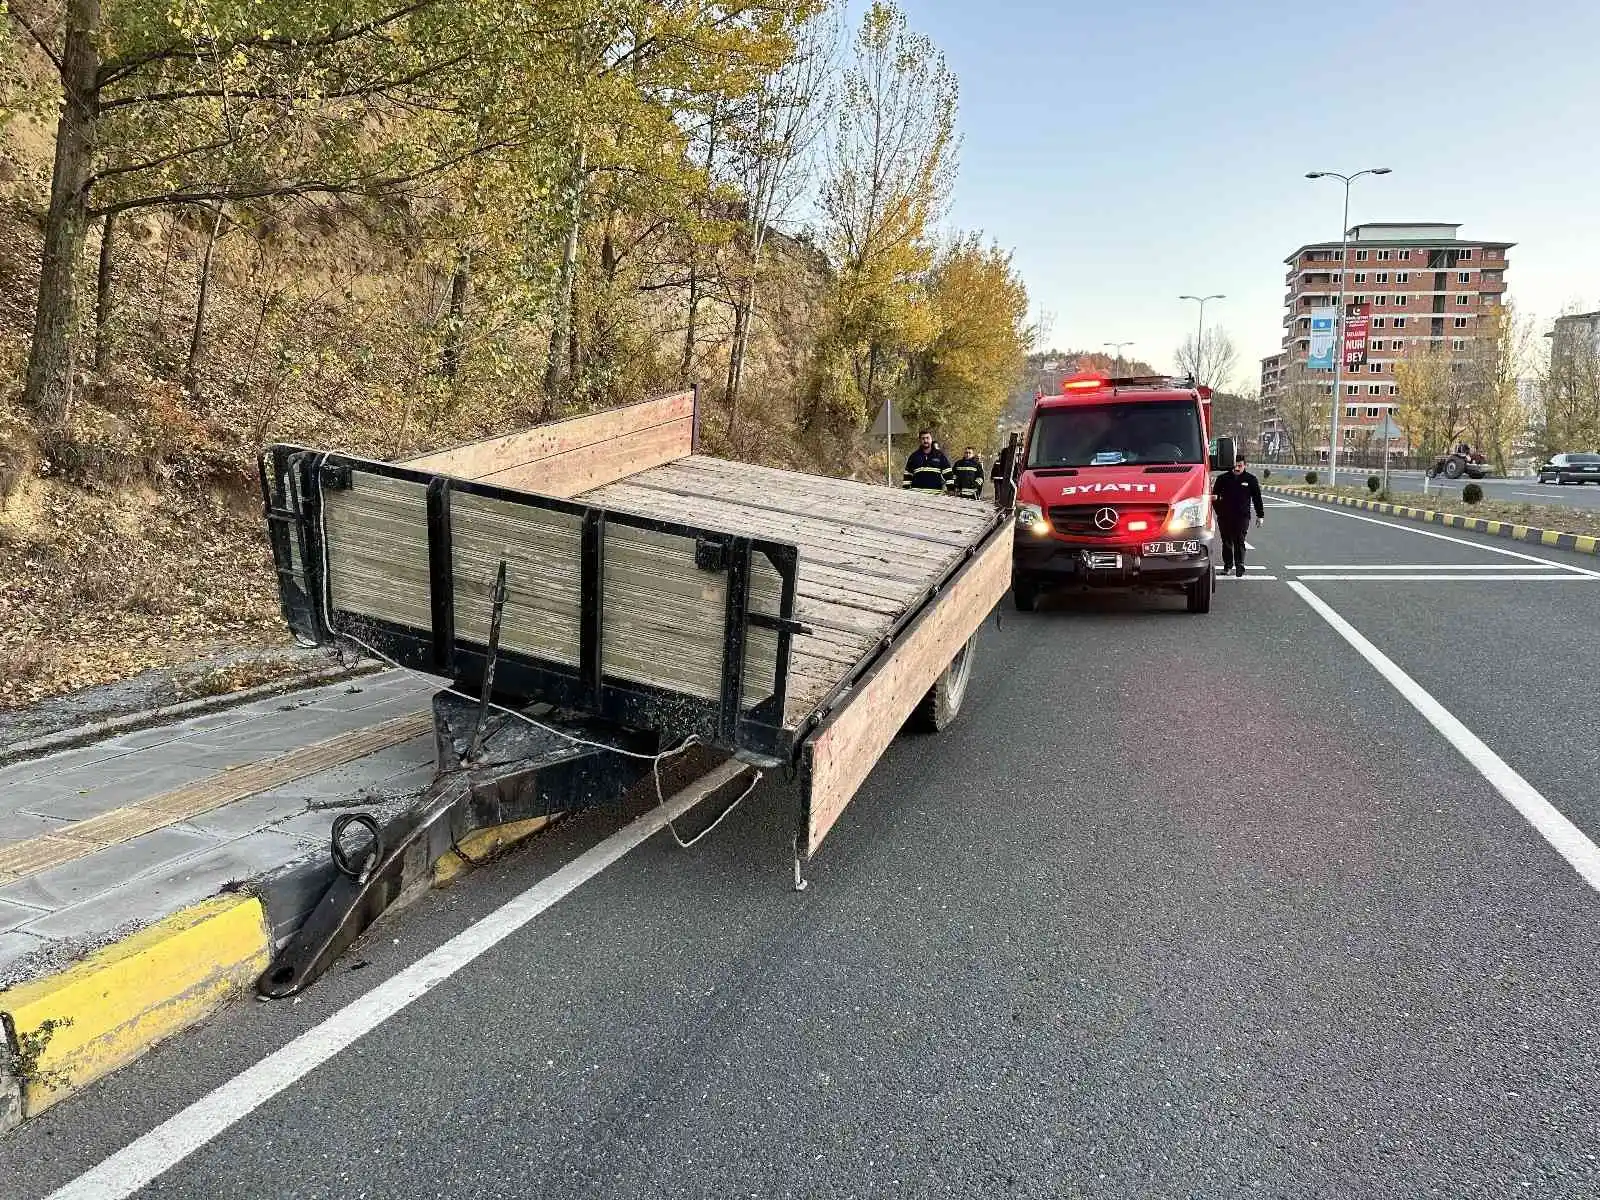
1405,254
1380,299
1377,346
1361,256
1377,322
1349,434
1397,345
1375,368
1464,255
1463,300
1461,322
1402,277
1402,301
1399,322
1463,276
1375,389
1352,389
1361,276
1358,299
1394,389
1383,256
1350,409
1372,409
1383,277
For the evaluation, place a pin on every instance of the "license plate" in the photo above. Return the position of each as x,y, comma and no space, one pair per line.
1103,562
1170,549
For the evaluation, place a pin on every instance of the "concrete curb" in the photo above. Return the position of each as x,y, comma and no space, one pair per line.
66,1030
66,739
1579,543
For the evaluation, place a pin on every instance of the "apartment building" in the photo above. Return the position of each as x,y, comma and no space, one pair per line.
1421,283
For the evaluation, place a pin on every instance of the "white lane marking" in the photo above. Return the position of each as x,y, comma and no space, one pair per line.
169,1143
1377,577
1407,567
1249,546
1567,839
1535,495
1250,578
1445,537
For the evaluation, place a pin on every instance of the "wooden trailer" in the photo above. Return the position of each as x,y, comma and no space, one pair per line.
784,618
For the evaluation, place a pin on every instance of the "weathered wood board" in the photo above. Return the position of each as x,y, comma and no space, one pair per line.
569,457
377,549
840,755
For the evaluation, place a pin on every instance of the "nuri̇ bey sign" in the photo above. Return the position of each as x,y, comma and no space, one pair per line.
1355,334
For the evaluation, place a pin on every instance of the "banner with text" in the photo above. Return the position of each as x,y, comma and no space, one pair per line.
1355,335
1323,336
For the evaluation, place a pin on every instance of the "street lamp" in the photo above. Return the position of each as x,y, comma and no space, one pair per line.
1200,330
1338,338
1118,347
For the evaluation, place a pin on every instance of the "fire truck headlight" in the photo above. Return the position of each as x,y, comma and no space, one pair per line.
1031,518
1187,514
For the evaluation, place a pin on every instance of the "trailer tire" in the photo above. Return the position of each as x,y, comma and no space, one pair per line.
943,701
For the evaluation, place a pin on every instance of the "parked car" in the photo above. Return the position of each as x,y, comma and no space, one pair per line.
1570,468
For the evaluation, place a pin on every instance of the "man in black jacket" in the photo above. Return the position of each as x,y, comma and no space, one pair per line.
928,469
969,475
1234,494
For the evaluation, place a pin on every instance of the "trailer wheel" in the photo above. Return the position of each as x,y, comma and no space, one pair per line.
943,701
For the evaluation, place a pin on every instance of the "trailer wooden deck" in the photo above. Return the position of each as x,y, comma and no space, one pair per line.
868,555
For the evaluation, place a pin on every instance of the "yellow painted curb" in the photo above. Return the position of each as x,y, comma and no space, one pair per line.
100,1014
482,844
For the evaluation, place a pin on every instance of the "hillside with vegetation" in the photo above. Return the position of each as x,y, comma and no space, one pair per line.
388,225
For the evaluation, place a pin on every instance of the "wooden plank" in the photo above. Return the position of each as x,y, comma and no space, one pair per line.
940,529
882,537
664,617
596,465
907,561
541,552
377,547
475,460
888,499
843,751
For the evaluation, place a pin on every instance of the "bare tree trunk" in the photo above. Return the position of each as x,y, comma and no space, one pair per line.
102,300
460,282
48,390
556,371
742,317
191,370
694,254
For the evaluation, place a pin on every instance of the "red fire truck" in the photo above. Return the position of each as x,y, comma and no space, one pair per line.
1114,490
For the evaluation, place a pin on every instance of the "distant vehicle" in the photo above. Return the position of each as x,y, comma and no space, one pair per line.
1570,468
1455,464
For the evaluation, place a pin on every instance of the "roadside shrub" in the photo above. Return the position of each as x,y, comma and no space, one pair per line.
1471,494
1374,484
1266,473
1311,477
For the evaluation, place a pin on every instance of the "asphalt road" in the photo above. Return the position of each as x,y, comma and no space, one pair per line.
1511,491
1181,906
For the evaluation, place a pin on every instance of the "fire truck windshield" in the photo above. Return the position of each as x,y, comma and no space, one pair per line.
1108,435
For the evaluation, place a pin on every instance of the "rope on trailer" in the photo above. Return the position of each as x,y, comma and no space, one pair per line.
655,760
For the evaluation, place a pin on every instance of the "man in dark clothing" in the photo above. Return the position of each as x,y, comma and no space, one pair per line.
969,475
1234,494
928,470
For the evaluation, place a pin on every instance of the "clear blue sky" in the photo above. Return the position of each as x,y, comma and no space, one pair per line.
1133,150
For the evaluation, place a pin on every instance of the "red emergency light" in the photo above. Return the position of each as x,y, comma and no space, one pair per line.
1085,381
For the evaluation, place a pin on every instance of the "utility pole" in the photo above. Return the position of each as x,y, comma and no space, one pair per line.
1338,338
1118,347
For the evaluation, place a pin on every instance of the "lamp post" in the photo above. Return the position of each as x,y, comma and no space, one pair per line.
1200,330
1338,339
1117,346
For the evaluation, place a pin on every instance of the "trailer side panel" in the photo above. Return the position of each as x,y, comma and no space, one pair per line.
573,456
840,755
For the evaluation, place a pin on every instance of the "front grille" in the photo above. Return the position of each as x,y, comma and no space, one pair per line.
1077,520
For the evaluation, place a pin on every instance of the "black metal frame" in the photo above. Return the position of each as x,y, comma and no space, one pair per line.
293,479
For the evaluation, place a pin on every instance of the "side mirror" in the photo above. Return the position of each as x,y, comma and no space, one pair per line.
1223,452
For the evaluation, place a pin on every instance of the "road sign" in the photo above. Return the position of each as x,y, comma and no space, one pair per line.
888,422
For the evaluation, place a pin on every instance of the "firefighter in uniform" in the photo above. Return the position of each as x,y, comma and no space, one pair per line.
968,473
928,470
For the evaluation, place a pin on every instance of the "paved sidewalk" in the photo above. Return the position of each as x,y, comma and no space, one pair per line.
82,858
